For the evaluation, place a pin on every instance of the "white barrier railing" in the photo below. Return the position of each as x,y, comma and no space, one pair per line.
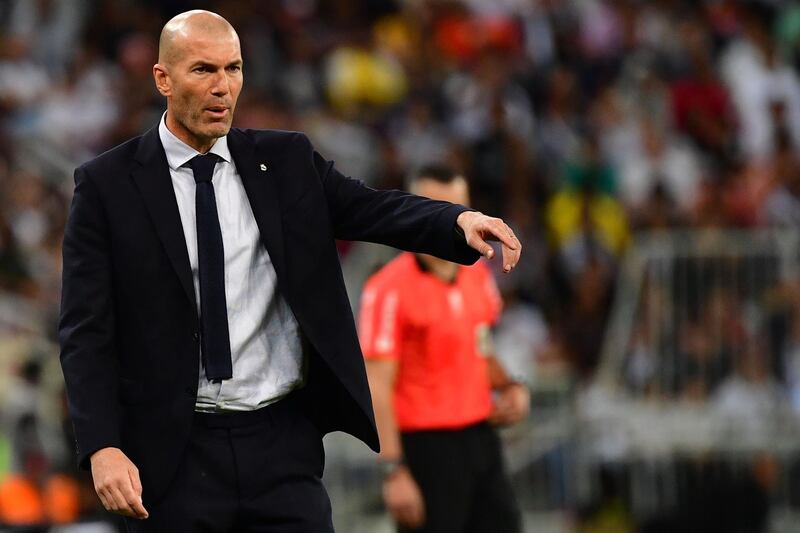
699,366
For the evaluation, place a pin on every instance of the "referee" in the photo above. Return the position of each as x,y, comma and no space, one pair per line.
424,328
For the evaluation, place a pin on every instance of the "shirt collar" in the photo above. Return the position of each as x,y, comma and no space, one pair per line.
179,153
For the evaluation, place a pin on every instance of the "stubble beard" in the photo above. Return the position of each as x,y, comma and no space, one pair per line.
212,130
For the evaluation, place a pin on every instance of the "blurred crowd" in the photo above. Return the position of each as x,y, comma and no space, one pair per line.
579,121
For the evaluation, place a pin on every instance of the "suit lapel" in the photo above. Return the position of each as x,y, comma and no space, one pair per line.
261,183
154,182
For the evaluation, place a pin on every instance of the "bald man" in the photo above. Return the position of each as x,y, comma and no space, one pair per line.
207,341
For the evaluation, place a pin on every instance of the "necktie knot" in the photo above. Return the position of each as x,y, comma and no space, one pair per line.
203,167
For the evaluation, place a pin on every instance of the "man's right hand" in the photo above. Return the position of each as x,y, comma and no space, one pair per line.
403,498
116,481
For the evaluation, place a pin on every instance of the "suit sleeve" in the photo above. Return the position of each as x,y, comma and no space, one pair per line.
393,218
86,324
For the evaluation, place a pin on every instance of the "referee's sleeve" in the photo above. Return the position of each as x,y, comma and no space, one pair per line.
492,293
380,321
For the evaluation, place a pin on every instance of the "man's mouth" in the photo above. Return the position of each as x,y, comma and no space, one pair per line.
217,111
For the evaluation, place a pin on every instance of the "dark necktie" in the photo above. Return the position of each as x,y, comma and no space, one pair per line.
216,344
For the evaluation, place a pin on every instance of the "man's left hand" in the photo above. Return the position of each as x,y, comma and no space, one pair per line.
478,228
511,406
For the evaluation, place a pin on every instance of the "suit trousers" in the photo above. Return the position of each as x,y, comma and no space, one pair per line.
256,471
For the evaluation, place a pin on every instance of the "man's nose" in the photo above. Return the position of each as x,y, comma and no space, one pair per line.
221,85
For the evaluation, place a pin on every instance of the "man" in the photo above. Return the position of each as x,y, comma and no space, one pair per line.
424,328
206,340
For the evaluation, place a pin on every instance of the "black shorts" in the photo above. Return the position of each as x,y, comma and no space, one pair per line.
463,480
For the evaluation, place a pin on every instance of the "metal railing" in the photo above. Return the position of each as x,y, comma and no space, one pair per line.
699,368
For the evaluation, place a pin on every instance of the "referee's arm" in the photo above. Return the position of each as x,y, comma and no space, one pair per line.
513,401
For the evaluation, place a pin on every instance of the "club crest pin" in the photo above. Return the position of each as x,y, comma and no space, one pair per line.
263,167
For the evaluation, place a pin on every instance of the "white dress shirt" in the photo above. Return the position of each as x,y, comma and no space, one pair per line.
265,340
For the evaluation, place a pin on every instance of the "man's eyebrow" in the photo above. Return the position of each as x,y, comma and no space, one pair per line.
202,63
206,63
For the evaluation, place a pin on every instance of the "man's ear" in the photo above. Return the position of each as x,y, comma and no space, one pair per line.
161,77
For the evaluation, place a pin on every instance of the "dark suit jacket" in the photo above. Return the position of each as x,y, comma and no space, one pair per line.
129,326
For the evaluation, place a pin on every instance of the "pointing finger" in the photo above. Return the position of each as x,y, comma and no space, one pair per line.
503,233
510,258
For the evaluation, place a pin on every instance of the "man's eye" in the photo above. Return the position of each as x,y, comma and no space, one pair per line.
200,69
235,68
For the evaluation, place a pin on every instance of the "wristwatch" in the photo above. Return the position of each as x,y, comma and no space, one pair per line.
389,467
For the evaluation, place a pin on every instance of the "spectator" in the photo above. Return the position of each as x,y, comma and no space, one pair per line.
700,103
14,274
663,162
586,223
782,205
751,399
758,78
